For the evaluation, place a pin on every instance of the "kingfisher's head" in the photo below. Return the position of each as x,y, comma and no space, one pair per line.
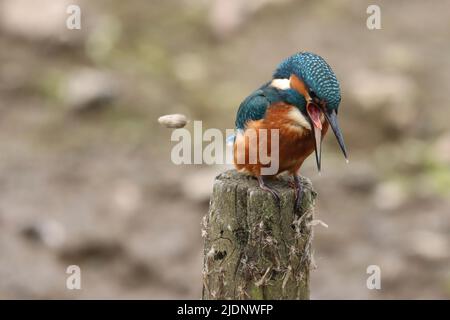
313,79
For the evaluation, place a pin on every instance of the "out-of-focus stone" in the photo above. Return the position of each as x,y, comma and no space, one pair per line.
106,31
38,20
441,149
127,197
93,249
428,245
227,16
50,233
361,178
392,265
189,67
389,196
393,93
89,88
399,57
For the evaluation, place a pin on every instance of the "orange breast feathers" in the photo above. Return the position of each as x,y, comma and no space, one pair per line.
253,147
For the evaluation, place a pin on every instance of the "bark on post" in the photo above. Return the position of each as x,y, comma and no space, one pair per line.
255,249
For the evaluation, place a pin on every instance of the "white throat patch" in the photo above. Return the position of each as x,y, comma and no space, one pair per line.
297,117
282,84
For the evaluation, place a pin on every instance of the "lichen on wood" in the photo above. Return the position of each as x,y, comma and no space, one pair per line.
256,248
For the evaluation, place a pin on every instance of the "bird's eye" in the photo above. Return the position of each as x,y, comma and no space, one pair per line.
312,94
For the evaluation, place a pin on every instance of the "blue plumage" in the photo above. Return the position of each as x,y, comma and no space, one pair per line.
252,108
255,105
315,72
309,67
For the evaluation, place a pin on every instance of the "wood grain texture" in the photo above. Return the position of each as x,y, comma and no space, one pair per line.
255,248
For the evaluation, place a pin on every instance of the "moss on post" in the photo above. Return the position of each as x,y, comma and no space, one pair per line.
255,248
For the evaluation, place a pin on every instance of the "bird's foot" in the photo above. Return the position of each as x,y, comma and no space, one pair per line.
264,187
298,193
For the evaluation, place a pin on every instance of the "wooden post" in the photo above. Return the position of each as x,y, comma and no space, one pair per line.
255,248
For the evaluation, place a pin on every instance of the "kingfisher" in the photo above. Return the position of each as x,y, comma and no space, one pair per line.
300,101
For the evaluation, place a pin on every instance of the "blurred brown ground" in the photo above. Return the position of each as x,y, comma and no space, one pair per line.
85,170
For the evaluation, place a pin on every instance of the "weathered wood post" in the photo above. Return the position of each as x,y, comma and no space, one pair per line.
255,248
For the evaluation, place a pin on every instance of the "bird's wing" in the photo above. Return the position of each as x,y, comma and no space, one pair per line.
252,108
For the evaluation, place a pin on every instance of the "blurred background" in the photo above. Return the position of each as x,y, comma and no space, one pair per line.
85,170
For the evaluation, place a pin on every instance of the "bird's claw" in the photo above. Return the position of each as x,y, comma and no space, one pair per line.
264,187
298,201
298,194
273,192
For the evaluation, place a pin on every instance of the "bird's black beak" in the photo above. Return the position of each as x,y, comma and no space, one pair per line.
314,113
318,146
331,117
